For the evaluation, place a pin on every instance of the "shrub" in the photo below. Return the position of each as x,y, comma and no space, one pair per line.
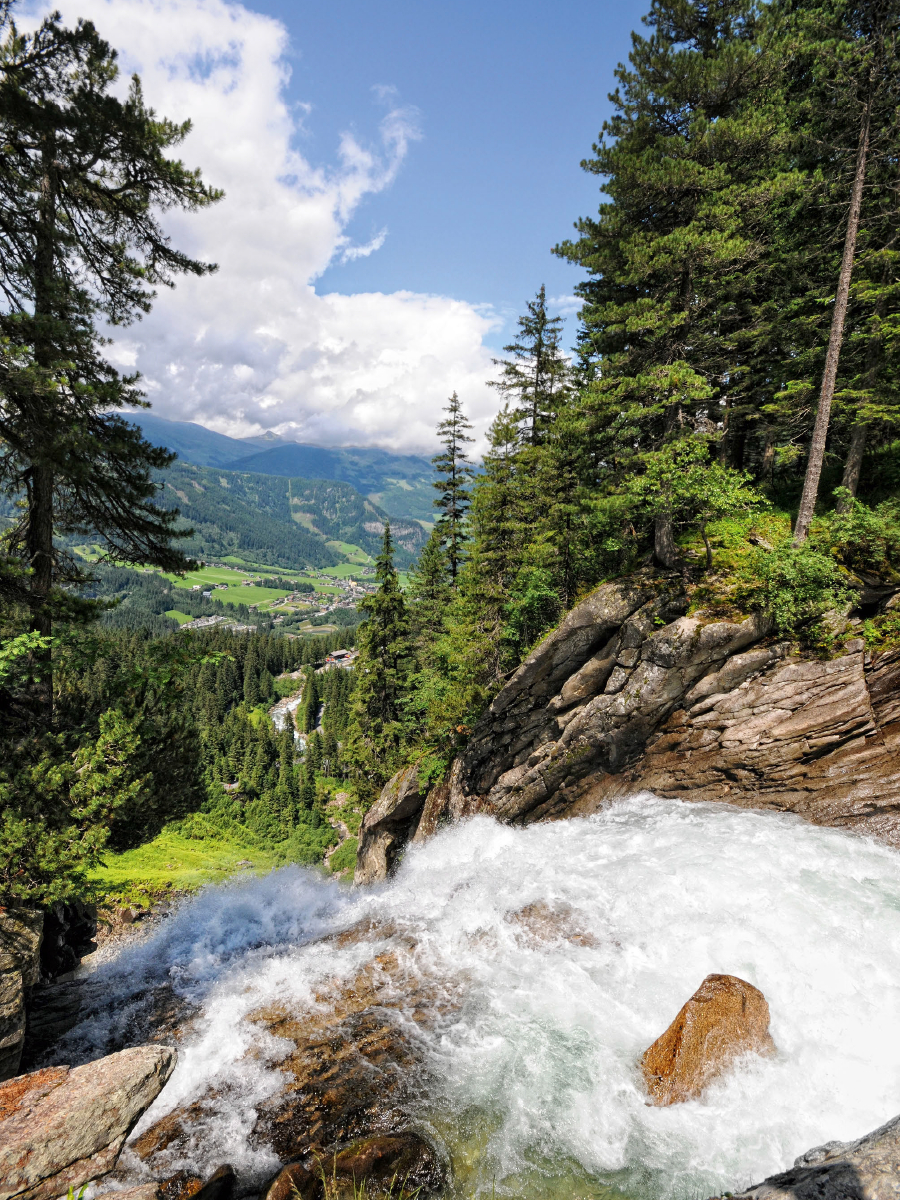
794,585
863,538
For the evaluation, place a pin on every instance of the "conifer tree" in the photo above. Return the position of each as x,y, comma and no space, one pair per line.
851,52
535,378
83,176
428,594
382,671
455,470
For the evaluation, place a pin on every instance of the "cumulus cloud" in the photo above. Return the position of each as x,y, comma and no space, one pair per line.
254,346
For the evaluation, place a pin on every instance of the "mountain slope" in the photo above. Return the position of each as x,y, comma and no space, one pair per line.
399,484
278,521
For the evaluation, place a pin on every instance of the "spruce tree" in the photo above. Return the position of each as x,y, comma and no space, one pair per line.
849,95
535,378
378,731
455,470
82,179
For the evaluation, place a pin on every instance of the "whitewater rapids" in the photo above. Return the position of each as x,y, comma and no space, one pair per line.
539,1091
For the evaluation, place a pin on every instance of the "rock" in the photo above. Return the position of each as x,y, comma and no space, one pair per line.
69,932
220,1185
294,1182
867,1169
401,1164
62,1127
20,945
53,1009
355,1060
541,922
388,825
631,695
145,1191
724,1019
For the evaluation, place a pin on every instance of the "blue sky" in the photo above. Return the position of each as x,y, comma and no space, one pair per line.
510,98
395,176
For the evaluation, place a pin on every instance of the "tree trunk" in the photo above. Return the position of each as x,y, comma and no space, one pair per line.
853,465
664,548
767,469
39,531
836,337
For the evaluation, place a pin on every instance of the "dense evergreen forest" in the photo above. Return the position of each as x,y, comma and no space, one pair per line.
728,418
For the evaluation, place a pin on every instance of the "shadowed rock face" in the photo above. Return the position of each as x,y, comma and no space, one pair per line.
868,1169
724,1019
629,694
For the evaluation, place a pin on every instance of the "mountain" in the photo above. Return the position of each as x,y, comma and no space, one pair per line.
193,443
398,484
278,521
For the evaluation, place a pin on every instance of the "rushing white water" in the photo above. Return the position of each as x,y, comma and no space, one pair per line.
539,1092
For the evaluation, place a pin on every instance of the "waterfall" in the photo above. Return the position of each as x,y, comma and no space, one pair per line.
566,949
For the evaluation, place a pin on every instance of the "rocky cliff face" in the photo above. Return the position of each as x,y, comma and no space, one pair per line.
631,694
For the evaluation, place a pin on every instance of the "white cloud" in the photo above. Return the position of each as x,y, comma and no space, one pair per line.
254,347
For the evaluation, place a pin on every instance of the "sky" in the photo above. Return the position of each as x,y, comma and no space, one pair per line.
396,173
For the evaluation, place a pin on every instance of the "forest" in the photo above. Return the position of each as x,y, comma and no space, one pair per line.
728,418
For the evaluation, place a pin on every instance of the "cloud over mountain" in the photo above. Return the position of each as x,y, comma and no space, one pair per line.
255,347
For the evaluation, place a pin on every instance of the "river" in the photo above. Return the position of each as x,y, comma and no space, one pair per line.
556,954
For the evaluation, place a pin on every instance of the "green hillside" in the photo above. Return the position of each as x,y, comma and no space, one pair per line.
398,484
279,522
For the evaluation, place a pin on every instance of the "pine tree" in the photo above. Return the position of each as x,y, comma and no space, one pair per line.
382,670
852,56
696,162
83,176
428,594
535,380
456,473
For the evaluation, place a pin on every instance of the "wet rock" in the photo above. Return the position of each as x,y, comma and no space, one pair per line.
69,932
389,825
53,1009
146,1191
867,1169
397,1165
20,945
542,922
725,1019
183,1185
355,1063
62,1127
294,1182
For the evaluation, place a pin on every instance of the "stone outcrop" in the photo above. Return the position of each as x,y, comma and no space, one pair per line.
62,1127
20,970
725,1019
388,826
631,693
867,1169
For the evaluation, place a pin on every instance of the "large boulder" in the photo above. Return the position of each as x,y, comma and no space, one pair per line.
20,970
725,1019
62,1127
867,1169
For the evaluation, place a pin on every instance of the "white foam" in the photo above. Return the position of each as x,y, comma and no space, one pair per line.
546,1044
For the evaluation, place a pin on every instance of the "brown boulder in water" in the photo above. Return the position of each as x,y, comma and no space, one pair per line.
724,1019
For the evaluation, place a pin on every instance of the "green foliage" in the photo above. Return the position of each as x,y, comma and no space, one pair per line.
685,485
796,587
378,734
344,858
862,538
454,475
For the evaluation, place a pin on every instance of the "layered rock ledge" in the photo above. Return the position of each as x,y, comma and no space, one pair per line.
630,694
